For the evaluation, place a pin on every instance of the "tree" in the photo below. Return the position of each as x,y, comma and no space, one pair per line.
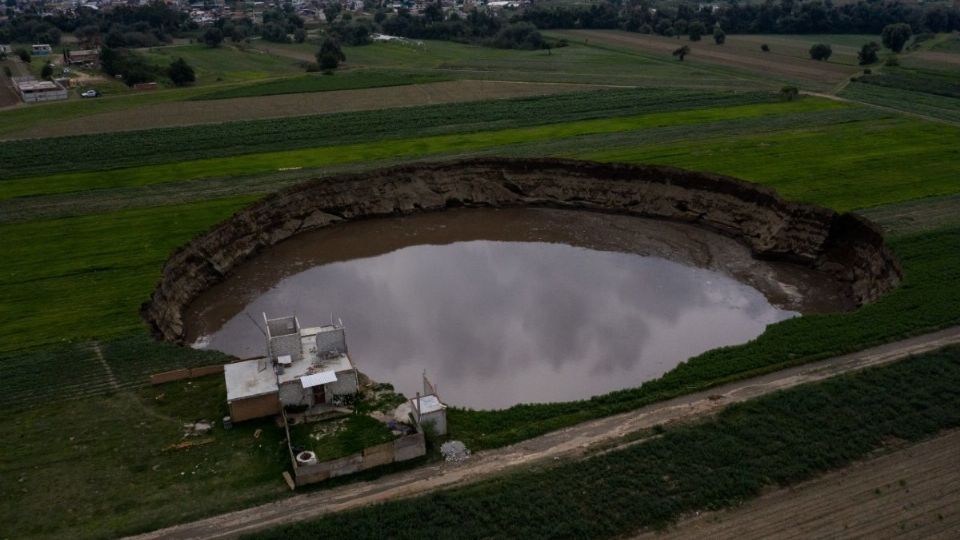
696,29
213,37
330,55
681,52
331,10
24,55
46,71
820,51
895,36
765,48
868,53
719,36
299,35
789,93
181,73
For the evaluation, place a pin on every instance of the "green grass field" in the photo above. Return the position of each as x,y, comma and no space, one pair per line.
226,63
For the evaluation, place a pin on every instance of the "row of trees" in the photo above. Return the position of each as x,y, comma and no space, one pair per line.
477,27
121,26
768,17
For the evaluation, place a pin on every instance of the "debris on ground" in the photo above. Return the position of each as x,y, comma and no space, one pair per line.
454,451
190,443
195,429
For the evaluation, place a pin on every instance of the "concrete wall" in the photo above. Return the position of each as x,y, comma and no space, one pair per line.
438,419
286,345
332,340
255,407
402,449
345,385
293,393
49,95
185,373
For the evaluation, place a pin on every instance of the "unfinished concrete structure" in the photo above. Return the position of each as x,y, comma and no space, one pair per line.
428,409
305,369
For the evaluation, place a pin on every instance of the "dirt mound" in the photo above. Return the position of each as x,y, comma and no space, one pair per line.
846,247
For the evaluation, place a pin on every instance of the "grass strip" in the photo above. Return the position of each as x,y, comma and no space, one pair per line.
777,440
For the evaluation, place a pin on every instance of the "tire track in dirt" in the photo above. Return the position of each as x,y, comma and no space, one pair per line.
569,443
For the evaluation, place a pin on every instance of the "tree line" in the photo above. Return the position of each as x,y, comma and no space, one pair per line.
769,17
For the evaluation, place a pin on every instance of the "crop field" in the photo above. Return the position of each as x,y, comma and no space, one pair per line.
911,492
933,93
185,113
21,158
787,62
773,441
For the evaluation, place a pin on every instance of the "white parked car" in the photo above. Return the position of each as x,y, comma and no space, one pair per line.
90,93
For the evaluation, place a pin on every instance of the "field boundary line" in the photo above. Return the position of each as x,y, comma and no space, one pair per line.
570,443
106,367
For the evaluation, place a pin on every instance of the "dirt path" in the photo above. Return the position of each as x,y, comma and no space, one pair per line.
913,492
566,443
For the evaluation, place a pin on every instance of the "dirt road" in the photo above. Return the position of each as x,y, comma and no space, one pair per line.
567,443
913,492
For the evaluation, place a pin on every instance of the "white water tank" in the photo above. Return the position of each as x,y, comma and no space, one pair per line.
306,458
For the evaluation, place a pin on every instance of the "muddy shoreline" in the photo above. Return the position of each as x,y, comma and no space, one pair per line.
846,247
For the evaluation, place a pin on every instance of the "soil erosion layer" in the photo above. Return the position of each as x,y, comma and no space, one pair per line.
846,247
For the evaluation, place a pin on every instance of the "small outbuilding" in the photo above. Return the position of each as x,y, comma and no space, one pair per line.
428,409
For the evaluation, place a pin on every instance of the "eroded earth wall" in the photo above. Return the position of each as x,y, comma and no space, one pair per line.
847,247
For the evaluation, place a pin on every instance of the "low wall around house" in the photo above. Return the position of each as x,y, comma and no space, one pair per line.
185,373
402,449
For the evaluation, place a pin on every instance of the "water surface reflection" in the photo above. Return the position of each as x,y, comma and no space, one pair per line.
502,322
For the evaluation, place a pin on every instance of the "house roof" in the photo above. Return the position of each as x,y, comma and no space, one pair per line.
247,380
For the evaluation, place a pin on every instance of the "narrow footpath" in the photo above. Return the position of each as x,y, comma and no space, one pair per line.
572,442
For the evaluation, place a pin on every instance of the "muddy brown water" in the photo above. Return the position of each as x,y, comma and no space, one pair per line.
512,305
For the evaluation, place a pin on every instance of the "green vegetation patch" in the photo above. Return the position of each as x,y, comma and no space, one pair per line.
119,464
342,437
85,277
777,440
939,83
349,80
920,103
224,64
845,166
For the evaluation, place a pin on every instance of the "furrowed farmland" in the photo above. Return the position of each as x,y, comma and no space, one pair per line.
92,206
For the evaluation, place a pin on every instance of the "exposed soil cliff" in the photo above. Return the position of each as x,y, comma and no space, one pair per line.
845,246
